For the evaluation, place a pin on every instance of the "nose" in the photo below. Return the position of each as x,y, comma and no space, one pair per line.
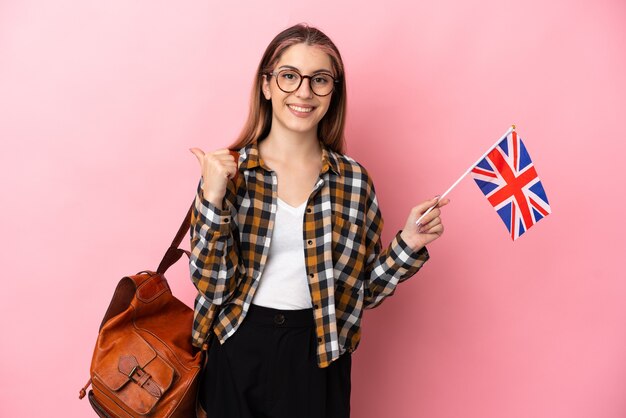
304,91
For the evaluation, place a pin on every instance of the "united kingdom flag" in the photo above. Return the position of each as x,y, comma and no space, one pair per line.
510,182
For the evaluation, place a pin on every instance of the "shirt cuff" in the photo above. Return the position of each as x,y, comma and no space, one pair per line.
408,260
210,219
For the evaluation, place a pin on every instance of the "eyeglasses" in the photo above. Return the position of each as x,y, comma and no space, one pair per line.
322,84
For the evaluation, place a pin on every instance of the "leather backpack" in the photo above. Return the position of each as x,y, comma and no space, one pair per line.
144,364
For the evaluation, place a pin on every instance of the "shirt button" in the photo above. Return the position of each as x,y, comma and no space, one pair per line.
319,339
316,306
309,210
310,242
279,319
226,220
311,275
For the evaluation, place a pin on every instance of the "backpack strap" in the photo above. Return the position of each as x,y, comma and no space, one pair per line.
173,253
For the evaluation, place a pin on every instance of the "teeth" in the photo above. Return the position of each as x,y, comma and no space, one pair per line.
301,109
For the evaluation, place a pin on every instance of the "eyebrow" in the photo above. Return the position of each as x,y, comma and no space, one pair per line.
291,67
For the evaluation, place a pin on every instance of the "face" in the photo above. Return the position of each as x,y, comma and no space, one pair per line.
301,110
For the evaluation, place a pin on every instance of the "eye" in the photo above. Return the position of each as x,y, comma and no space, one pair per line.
321,79
289,75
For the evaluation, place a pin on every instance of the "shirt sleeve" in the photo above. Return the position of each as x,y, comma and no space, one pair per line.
385,268
214,257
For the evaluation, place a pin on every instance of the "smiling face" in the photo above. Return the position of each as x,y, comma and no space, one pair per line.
301,110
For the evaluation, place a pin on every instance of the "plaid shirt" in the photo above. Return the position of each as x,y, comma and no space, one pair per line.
346,266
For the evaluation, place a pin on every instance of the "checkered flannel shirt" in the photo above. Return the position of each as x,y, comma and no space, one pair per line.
347,268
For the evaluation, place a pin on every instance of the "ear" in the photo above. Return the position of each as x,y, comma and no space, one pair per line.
266,88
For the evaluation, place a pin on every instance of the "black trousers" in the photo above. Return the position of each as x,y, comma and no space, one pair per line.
268,369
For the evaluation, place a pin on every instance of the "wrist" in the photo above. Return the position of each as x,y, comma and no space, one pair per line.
412,241
216,200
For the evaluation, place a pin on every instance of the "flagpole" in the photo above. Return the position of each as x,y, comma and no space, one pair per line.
511,129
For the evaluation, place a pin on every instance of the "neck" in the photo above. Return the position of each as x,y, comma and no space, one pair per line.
284,145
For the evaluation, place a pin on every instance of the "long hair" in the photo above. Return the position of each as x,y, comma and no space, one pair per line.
330,129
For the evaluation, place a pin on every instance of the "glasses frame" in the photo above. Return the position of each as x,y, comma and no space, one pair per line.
302,77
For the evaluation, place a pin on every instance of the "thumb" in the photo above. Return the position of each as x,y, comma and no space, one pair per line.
198,153
424,206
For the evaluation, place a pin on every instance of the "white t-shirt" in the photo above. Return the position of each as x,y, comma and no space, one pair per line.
283,283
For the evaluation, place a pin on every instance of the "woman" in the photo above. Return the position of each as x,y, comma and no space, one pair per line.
285,243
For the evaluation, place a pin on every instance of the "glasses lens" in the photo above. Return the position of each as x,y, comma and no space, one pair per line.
322,84
288,80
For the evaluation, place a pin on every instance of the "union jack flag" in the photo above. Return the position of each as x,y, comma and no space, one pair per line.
508,179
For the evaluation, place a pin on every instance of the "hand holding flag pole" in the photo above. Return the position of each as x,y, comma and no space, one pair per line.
507,177
511,129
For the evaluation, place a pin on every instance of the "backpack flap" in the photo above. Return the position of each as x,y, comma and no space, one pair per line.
135,374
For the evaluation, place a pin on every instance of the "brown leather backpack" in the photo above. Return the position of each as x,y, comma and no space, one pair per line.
144,364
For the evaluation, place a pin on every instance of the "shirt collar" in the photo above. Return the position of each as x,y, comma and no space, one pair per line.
250,159
330,160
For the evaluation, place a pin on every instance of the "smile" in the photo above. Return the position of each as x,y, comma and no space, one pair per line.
301,109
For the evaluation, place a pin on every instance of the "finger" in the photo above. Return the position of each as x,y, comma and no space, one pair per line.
425,227
223,151
227,166
431,224
430,216
198,153
419,212
427,204
443,202
437,229
231,171
224,158
224,163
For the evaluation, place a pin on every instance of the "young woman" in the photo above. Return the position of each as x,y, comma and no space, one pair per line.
285,244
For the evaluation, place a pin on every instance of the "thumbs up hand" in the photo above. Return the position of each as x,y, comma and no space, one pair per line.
217,168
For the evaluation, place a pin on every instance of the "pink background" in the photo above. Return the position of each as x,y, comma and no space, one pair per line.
100,101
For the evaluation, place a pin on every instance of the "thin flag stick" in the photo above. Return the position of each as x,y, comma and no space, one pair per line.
511,129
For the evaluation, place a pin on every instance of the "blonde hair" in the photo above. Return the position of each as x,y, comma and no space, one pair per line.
330,129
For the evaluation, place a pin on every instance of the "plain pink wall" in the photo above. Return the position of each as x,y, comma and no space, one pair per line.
99,102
